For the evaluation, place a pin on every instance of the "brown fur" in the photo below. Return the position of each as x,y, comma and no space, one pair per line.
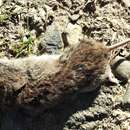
83,69
47,80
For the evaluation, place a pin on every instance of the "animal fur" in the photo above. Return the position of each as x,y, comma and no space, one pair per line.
46,81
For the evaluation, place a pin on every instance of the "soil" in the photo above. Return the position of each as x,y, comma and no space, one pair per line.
35,28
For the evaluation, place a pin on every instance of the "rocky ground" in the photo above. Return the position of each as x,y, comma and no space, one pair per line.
41,26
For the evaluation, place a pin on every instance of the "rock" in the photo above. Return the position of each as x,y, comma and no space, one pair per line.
127,3
109,76
1,2
74,33
42,13
126,97
51,40
90,7
88,126
21,2
117,128
121,68
17,10
36,20
74,18
67,3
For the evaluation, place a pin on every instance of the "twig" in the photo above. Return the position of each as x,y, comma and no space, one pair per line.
112,47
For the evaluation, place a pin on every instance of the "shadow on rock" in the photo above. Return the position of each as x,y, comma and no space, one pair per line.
52,119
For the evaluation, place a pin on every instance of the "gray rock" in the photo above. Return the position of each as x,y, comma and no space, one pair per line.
51,41
122,71
121,68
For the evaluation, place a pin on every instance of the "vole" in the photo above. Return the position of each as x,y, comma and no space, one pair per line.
45,80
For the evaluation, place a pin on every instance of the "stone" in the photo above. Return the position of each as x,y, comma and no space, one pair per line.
1,2
74,32
126,97
51,41
121,68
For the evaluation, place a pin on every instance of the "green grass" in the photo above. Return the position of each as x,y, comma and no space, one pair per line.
25,46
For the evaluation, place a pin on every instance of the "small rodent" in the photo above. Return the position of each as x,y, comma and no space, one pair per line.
45,80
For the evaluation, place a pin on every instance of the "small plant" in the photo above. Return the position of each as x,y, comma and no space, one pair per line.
25,45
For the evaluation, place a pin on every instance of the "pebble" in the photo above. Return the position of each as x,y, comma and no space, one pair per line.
22,2
74,18
88,126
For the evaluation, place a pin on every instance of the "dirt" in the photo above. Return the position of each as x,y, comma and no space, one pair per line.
34,27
